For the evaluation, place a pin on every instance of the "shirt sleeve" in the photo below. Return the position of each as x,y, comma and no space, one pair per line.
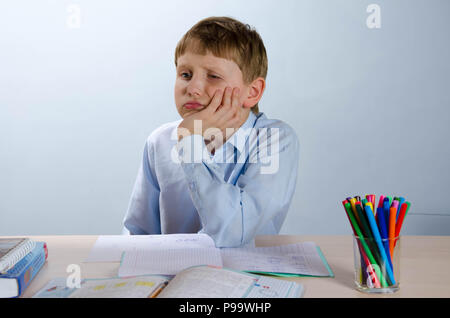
232,214
142,216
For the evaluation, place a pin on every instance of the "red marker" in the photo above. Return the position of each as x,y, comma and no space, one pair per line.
380,205
403,211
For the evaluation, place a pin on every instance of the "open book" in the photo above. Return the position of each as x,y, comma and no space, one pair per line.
300,259
193,282
170,253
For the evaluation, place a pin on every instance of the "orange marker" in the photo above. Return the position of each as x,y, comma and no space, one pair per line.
392,217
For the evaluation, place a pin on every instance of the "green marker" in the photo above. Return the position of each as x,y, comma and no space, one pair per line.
364,244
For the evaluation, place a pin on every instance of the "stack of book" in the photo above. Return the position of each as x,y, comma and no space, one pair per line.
20,261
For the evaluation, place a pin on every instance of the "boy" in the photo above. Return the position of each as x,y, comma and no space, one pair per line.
225,169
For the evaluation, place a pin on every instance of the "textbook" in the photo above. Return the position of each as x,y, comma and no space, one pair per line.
12,250
14,282
202,281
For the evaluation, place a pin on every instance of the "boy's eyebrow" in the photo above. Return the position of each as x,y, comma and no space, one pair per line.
206,67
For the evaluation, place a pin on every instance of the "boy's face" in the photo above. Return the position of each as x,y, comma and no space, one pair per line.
198,78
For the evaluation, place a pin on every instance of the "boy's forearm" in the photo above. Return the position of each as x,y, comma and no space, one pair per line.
233,213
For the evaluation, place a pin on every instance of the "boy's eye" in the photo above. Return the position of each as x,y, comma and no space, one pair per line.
187,75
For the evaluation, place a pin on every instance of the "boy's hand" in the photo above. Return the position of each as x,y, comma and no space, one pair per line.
221,118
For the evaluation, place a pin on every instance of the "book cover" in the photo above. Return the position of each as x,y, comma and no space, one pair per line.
14,282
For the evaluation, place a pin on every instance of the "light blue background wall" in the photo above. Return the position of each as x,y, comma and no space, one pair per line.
371,106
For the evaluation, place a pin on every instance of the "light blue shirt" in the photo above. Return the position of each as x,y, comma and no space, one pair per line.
243,190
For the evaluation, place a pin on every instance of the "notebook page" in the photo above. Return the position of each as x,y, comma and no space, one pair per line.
267,287
299,258
109,248
168,261
55,288
208,282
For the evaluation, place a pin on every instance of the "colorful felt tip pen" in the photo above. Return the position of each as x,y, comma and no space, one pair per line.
401,200
392,219
363,220
352,204
365,248
403,211
380,203
377,237
384,233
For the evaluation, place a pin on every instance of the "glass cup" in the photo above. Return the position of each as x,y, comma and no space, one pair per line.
377,264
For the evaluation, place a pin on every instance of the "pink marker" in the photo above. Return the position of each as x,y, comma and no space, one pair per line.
394,204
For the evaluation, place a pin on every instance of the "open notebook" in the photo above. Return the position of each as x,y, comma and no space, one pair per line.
193,282
300,259
169,254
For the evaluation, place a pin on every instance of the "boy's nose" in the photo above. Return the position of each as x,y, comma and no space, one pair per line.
195,87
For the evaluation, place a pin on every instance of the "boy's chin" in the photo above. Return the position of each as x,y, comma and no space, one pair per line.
188,112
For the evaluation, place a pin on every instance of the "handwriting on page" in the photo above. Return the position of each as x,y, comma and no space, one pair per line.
205,282
167,261
109,248
300,258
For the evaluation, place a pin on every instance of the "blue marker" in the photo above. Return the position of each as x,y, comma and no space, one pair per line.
377,237
384,233
386,209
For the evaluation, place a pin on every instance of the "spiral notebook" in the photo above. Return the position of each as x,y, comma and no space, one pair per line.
12,250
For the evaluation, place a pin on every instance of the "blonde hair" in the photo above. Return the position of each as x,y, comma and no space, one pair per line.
228,38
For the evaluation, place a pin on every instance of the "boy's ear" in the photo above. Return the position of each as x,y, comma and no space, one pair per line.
256,90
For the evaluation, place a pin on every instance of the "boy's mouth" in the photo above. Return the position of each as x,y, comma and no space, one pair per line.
192,105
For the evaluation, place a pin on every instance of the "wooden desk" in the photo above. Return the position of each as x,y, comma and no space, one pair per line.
425,263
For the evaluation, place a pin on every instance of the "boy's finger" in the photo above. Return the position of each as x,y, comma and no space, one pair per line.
230,103
234,106
216,100
227,97
236,97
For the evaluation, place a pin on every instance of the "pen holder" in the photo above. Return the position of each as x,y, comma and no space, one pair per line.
377,264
